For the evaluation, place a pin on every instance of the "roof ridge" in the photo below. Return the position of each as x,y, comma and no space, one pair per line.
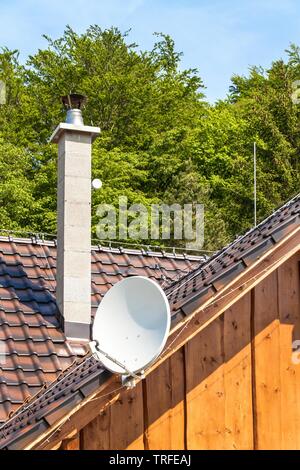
144,250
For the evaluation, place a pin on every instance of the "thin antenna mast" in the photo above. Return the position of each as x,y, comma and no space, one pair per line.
254,190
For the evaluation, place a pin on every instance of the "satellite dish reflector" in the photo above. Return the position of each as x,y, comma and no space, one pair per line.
132,324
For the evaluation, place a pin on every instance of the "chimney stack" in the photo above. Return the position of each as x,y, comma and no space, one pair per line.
73,278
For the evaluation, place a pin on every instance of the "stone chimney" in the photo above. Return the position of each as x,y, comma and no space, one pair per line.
73,276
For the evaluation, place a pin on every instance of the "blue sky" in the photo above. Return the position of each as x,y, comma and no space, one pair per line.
219,37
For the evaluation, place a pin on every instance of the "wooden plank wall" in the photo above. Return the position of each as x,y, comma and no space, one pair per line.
219,392
164,412
119,426
233,386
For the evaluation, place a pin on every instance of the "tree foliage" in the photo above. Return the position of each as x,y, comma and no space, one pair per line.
161,141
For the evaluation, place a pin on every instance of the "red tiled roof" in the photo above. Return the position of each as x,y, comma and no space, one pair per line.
30,323
185,294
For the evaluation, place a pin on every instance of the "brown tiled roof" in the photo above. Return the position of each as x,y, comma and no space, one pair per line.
30,323
185,294
51,404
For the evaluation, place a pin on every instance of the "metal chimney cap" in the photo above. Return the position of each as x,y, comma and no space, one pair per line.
74,122
73,101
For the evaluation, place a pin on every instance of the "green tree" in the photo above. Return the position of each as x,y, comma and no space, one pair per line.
160,141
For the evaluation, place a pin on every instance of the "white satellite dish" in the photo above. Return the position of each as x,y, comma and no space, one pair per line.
131,326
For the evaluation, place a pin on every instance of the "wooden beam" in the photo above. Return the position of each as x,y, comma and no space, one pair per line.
80,416
72,442
110,431
266,343
205,389
183,332
289,317
237,376
164,400
57,446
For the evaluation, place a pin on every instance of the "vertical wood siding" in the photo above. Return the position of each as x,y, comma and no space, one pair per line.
233,386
